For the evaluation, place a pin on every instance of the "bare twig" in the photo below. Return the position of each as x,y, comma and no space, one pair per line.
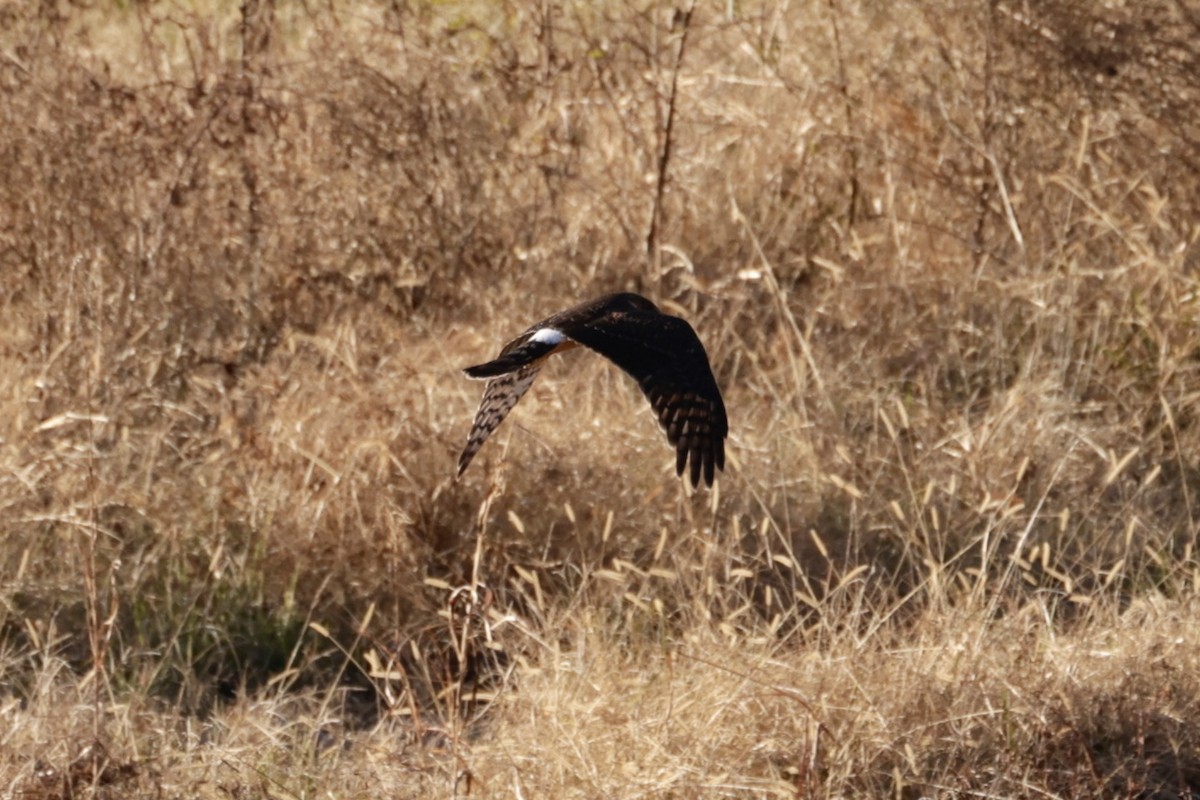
257,16
682,21
848,106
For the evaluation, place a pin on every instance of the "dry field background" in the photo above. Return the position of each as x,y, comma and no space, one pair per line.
944,259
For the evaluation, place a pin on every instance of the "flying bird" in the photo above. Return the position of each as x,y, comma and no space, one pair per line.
661,352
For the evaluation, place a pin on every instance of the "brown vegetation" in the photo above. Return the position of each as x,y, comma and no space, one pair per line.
945,269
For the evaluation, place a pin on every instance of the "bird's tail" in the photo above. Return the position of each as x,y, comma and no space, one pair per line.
497,367
521,355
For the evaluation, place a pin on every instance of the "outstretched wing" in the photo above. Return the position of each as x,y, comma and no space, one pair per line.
661,352
499,397
664,355
509,376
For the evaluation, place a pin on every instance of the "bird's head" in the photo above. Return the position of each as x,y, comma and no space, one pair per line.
628,301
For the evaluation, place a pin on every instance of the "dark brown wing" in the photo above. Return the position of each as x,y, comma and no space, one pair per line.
664,355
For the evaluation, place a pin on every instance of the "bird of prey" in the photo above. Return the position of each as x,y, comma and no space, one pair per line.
661,352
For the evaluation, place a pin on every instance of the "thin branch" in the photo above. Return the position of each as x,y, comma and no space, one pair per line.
851,126
683,20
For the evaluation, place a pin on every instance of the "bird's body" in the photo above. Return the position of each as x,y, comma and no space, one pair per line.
661,352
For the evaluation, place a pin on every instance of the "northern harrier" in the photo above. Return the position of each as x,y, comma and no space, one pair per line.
661,352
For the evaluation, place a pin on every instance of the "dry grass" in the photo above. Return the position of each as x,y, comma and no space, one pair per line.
945,268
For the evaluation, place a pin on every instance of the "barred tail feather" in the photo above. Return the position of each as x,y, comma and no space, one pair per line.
512,361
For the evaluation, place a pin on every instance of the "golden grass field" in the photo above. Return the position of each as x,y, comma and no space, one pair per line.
944,260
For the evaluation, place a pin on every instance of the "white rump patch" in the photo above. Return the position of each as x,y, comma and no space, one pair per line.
548,336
